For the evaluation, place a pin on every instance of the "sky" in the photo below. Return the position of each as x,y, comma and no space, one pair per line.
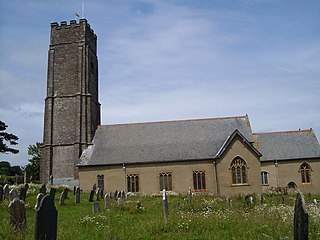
170,60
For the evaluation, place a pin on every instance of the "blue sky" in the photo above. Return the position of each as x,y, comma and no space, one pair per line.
169,60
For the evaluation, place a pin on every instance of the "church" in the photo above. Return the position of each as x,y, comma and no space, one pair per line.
220,156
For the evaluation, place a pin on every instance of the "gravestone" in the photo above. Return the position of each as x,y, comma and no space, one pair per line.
62,198
39,198
262,199
1,193
13,194
165,206
74,190
91,195
115,195
229,201
96,207
107,201
65,193
23,194
300,219
94,187
119,195
123,195
51,179
101,192
46,220
52,193
315,202
98,195
26,186
17,212
190,195
77,195
43,189
6,191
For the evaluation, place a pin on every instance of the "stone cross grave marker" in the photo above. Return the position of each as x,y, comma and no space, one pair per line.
165,206
46,219
13,194
6,191
300,219
17,212
23,193
107,201
91,195
96,207
43,189
39,198
77,195
1,193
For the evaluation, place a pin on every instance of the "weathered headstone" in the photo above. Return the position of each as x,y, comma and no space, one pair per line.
115,194
315,202
6,190
94,187
23,194
74,190
96,207
101,192
39,198
43,189
229,201
65,193
52,193
46,219
262,199
62,198
165,206
98,194
17,211
190,195
91,195
107,201
123,195
1,193
13,194
77,195
119,195
300,219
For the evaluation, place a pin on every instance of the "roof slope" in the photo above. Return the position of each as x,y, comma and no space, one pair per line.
163,141
287,145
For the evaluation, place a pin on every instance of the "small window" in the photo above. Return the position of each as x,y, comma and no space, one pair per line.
305,170
238,171
100,180
165,181
133,183
199,181
265,178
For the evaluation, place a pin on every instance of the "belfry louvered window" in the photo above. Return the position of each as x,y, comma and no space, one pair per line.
238,171
133,183
165,180
305,170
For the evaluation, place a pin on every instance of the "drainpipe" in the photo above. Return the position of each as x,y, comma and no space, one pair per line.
125,177
216,177
277,172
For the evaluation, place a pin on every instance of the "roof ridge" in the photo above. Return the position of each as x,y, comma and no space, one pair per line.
172,121
284,132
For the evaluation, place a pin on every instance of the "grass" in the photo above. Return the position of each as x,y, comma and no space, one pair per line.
207,217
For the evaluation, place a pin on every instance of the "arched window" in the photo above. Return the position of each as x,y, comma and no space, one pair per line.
238,171
305,170
100,180
264,178
165,181
133,183
199,180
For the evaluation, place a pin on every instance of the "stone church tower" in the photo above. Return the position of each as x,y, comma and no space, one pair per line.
72,109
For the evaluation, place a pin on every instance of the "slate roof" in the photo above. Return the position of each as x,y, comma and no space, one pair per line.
288,145
163,141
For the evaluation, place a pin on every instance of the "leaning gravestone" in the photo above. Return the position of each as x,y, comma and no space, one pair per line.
43,189
107,201
96,207
6,191
13,194
23,193
17,212
300,219
77,196
1,193
46,220
91,195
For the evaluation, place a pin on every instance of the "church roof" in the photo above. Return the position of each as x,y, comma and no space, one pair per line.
301,144
163,141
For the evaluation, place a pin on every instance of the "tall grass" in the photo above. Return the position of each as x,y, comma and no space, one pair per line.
207,217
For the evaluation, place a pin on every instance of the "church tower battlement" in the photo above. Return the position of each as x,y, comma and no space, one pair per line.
72,108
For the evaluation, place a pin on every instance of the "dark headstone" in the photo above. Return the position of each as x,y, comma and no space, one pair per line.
77,196
46,220
65,193
123,195
101,193
39,198
17,211
1,193
62,198
119,195
43,189
94,187
165,206
115,194
107,201
74,190
98,194
52,193
6,191
91,195
51,180
13,194
300,219
96,207
26,186
23,193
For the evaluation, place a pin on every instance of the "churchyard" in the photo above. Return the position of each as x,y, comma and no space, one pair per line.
117,215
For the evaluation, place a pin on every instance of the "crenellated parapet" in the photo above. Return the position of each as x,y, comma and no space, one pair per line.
65,33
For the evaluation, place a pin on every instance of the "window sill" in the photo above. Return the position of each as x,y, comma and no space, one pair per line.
200,190
240,185
266,185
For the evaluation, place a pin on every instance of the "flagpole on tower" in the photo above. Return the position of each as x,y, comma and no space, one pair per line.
82,13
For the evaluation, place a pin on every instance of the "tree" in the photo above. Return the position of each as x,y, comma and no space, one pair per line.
33,167
7,137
